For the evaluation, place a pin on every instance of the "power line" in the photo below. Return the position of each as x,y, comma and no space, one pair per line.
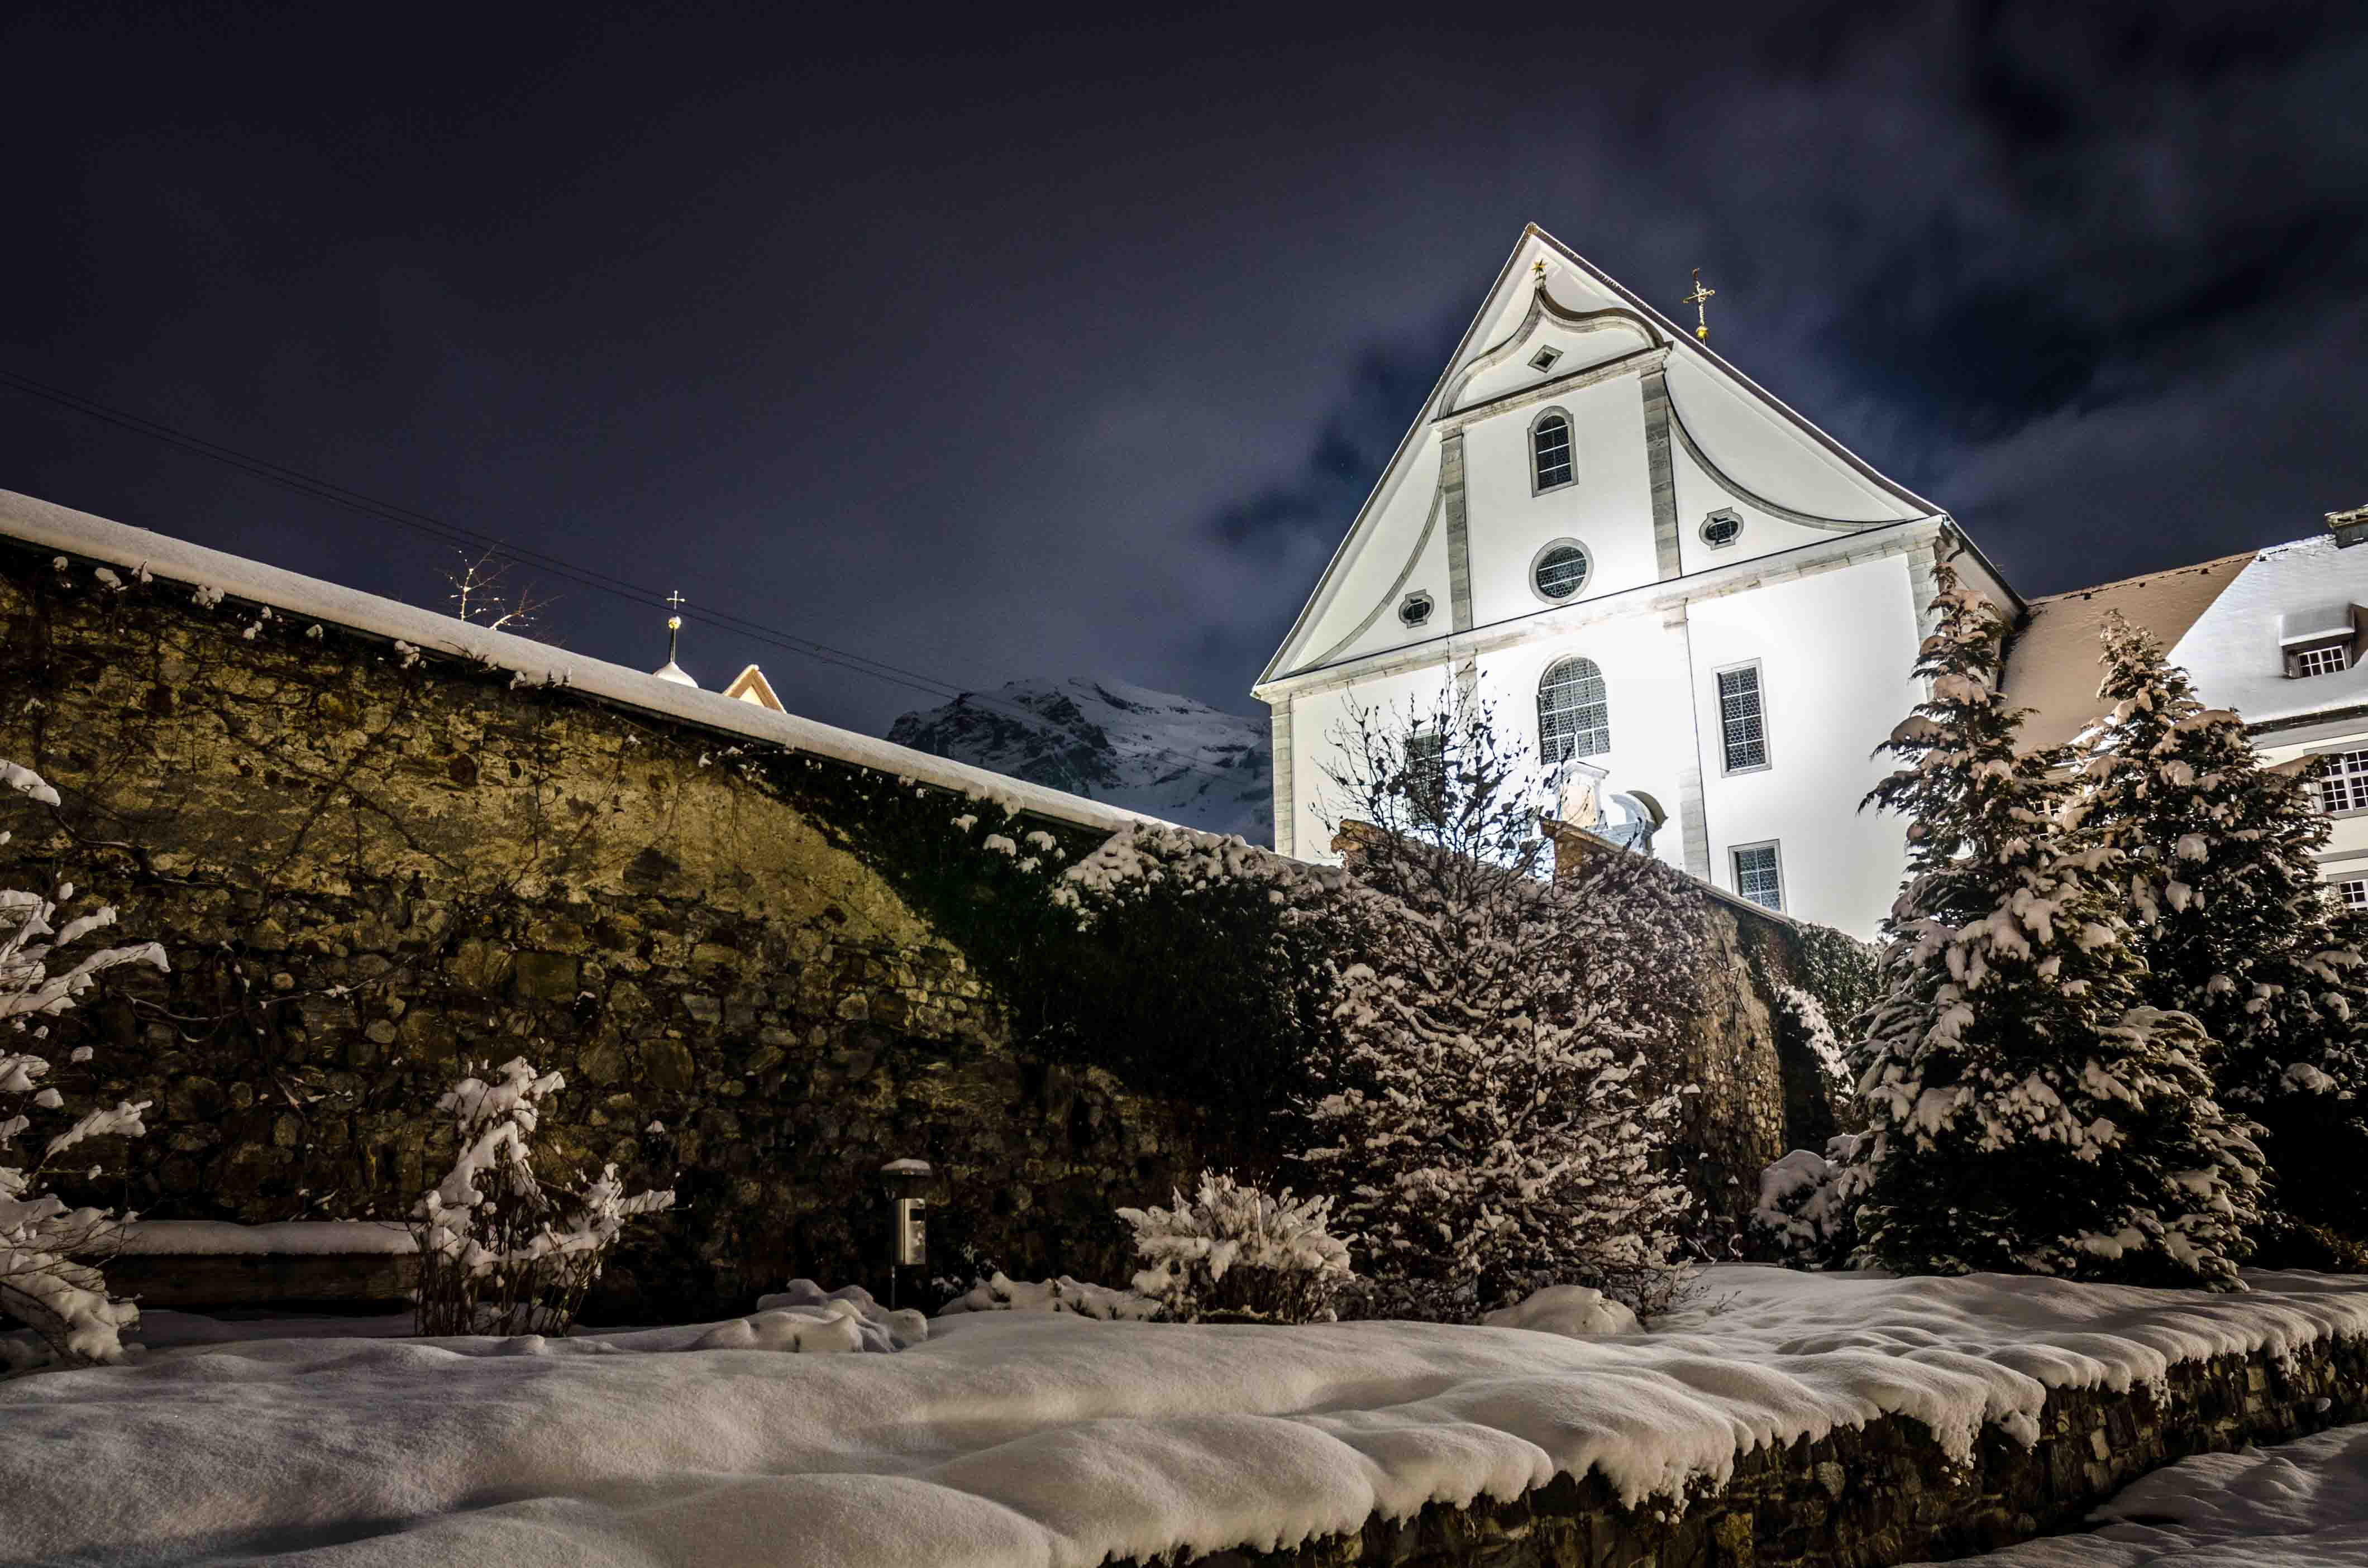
460,537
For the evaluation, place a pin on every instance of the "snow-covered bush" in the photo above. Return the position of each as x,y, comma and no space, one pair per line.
2026,1110
879,1327
1575,1311
2219,858
1236,1250
1201,965
1807,1209
1818,1031
1485,1108
1101,1302
499,1252
804,1319
50,1251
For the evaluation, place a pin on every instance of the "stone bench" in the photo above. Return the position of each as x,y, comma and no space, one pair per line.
200,1265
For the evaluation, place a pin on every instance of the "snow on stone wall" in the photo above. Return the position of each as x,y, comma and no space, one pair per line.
367,864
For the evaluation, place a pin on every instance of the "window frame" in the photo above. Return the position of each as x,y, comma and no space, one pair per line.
1766,730
1585,581
1724,515
2357,788
1603,685
1426,778
1775,848
2340,886
1419,597
2297,657
1570,450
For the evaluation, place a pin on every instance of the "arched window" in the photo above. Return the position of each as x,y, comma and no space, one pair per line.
1574,713
1549,451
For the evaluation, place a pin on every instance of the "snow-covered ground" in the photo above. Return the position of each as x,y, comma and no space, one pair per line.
1148,751
2300,1505
1031,1439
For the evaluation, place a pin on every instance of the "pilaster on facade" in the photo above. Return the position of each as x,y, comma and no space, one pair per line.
1459,540
1286,793
1693,811
1923,580
1662,471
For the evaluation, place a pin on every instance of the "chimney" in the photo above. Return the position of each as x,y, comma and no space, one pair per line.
2349,527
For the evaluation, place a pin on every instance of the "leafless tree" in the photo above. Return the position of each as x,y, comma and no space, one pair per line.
482,596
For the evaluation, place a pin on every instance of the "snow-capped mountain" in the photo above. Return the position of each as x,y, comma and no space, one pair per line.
1150,751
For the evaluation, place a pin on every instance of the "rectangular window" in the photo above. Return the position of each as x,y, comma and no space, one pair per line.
2343,781
1551,443
1742,718
1757,875
2324,661
1426,763
2352,892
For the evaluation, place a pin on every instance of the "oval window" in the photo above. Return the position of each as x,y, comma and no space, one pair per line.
1721,529
1561,570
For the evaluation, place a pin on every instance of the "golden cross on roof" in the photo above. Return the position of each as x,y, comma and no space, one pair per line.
1698,299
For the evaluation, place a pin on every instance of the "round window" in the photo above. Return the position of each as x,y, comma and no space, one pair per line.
1414,608
1721,529
1561,570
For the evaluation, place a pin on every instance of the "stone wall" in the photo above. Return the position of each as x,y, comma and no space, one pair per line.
370,866
1881,1494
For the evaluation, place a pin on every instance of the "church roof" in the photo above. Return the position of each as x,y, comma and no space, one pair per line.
2051,664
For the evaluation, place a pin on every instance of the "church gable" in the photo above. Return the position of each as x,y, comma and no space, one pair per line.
1577,423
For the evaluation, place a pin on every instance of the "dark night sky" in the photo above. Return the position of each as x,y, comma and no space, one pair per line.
997,353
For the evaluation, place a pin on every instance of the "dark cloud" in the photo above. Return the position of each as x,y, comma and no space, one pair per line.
995,351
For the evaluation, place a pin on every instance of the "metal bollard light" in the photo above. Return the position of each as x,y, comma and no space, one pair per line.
908,1242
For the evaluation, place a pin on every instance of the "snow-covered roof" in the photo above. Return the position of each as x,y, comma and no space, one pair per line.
671,671
52,527
750,686
2052,668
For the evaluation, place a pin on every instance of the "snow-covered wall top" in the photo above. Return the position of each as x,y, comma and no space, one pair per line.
58,528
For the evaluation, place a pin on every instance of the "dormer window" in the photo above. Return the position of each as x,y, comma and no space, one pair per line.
1543,359
2320,642
2321,661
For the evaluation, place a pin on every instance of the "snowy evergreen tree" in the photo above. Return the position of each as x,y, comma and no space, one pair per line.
2026,1110
2219,861
1486,1118
51,1250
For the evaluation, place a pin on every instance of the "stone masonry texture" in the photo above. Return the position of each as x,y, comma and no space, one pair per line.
1881,1494
369,868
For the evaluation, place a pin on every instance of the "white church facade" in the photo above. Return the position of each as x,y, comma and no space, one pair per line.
1648,564
1650,568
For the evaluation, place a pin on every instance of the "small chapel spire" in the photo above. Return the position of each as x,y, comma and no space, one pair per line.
673,671
1700,300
